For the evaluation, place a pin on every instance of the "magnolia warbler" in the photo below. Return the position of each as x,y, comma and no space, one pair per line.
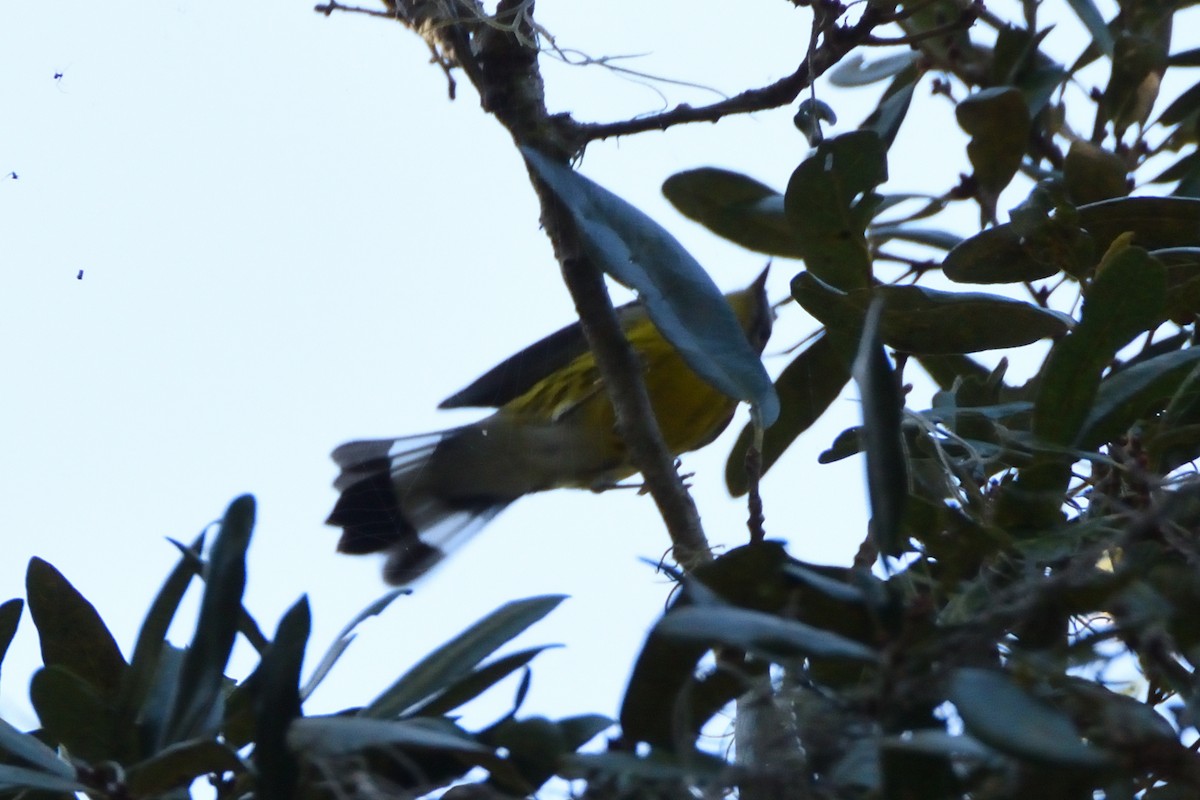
419,497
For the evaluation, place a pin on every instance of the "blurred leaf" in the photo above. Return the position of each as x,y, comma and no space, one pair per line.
1125,299
947,368
940,240
998,121
830,587
202,674
1001,714
1091,18
657,766
72,634
10,617
882,408
475,684
735,207
1126,396
935,742
1004,255
456,659
28,749
536,745
853,70
920,320
665,704
1092,173
153,636
277,704
74,714
892,109
1186,58
765,635
1182,107
246,625
806,387
1138,63
329,737
682,300
839,311
829,201
344,638
180,764
30,779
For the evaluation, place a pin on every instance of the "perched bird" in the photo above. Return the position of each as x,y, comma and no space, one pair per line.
419,497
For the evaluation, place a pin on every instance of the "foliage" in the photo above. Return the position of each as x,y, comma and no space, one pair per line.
1028,542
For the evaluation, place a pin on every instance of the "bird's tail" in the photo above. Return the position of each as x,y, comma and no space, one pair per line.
390,503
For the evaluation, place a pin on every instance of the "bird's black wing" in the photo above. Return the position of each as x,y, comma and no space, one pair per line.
519,373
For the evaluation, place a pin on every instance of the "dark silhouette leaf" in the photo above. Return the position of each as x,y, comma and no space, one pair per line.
180,764
456,659
72,634
30,779
74,714
765,635
28,749
997,119
10,617
806,387
195,707
326,737
344,638
475,684
277,704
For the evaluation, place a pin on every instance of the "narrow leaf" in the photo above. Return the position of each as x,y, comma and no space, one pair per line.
683,302
445,666
882,407
277,704
27,748
806,388
765,635
326,737
203,669
10,617
475,684
21,778
344,637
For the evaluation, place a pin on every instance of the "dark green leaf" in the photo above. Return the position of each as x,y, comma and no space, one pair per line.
806,387
765,635
277,704
882,409
180,764
1138,63
997,119
10,617
999,713
892,109
194,707
1004,255
1092,173
830,199
72,634
658,766
1126,298
940,240
73,714
328,737
735,207
30,779
344,638
534,747
1125,396
475,684
456,659
579,730
153,636
28,749
246,625
1182,107
1186,58
920,320
855,71
830,587
684,303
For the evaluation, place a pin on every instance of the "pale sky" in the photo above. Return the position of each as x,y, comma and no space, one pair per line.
290,238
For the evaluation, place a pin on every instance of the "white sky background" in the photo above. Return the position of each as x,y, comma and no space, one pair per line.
290,238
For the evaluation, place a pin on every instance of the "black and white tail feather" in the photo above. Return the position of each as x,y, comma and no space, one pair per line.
386,505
